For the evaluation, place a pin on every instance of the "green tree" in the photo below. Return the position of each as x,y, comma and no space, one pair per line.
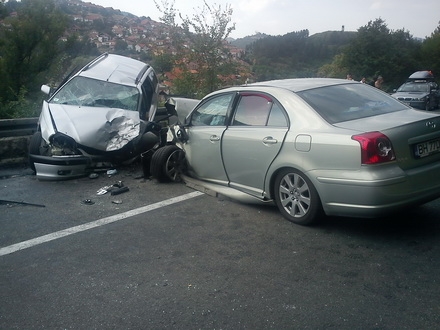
28,47
200,41
430,52
120,45
163,63
377,50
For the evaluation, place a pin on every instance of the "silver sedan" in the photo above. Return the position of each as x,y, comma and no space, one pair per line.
313,146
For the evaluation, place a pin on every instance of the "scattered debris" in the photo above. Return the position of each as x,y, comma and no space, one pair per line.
119,190
93,175
88,202
115,189
3,201
112,172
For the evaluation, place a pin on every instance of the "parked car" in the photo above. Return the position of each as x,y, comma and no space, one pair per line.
419,91
102,116
312,146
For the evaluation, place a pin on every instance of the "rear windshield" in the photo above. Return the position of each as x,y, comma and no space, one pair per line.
88,92
349,102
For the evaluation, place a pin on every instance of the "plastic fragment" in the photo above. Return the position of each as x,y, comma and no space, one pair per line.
112,172
119,190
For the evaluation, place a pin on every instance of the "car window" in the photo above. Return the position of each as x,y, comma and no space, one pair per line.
258,110
88,92
252,110
149,96
277,116
213,111
349,102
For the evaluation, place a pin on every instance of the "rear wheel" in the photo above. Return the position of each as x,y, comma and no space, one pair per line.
34,148
168,163
297,198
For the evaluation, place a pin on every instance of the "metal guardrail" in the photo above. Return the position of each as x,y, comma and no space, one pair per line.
18,127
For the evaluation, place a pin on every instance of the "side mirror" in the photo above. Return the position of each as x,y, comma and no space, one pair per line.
170,105
46,89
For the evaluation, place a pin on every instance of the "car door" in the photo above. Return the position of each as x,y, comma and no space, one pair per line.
253,140
203,148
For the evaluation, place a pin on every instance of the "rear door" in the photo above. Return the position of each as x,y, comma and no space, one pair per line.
252,141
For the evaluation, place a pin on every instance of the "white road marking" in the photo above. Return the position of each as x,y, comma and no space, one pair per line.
97,223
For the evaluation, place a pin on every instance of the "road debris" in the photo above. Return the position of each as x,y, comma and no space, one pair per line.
4,201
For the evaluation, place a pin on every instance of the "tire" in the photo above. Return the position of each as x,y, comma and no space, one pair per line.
428,105
168,163
34,148
297,198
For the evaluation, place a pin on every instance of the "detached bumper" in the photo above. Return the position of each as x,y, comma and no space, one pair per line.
62,167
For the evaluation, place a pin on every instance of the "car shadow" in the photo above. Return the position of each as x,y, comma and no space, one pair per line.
420,223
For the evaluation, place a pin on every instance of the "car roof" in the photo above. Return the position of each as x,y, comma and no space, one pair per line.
116,69
423,75
300,84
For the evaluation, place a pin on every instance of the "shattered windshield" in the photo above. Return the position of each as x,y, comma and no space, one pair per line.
88,92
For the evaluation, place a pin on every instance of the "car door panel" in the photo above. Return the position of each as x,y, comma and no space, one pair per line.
203,153
252,141
203,148
248,153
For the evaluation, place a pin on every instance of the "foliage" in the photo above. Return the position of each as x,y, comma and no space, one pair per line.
378,51
200,41
22,107
163,63
430,52
295,54
28,47
32,53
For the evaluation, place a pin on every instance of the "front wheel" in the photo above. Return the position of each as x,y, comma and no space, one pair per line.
34,148
297,198
428,105
168,163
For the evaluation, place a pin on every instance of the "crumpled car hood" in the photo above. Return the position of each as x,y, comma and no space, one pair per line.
104,129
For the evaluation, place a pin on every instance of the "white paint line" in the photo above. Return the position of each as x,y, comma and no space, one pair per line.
97,223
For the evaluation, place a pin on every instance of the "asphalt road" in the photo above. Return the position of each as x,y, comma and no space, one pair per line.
164,256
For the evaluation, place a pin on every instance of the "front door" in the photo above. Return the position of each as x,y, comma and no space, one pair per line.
252,141
203,149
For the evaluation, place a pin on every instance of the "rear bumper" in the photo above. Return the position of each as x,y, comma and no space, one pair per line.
376,198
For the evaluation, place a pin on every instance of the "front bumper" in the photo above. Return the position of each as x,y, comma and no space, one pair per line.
62,167
418,104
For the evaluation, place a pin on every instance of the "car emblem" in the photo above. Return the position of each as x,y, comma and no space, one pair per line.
430,124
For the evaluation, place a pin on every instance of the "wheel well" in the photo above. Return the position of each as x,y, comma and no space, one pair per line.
272,179
274,175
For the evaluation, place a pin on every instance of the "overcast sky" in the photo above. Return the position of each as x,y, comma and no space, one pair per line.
278,17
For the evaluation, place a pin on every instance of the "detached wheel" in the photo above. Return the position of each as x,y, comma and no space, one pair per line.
34,148
297,198
167,163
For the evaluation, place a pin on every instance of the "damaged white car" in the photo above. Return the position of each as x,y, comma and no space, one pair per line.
101,116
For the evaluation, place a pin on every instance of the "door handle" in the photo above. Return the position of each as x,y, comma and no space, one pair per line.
269,140
214,138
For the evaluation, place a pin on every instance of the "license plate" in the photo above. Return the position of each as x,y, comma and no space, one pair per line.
427,148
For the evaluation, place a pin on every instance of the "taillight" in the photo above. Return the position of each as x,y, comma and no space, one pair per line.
376,148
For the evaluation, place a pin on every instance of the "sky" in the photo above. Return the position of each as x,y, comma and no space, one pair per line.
278,17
